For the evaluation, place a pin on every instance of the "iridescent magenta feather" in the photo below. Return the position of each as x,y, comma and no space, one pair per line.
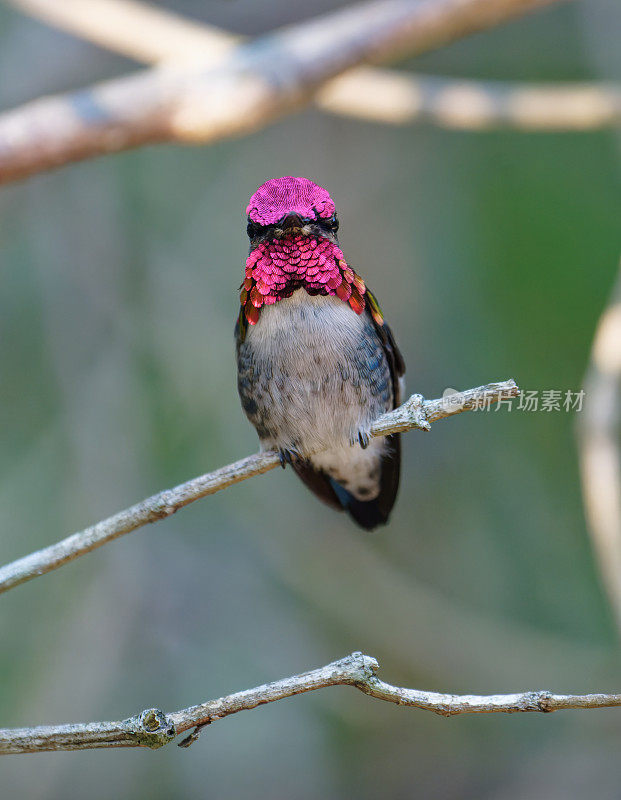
277,268
288,195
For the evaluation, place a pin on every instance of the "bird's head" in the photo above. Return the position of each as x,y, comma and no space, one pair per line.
292,227
289,207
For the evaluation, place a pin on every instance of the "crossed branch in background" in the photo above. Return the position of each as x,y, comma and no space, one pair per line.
364,92
209,85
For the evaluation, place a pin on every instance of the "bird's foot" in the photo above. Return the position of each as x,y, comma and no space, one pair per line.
362,438
287,456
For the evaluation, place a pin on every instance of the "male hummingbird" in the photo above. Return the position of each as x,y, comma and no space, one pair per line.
316,362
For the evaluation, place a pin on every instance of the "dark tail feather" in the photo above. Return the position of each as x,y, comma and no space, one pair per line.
371,513
366,513
317,481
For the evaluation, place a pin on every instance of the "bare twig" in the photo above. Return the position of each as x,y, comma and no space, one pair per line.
600,456
153,728
398,99
153,36
414,413
252,87
137,30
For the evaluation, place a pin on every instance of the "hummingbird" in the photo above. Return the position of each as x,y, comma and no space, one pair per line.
317,363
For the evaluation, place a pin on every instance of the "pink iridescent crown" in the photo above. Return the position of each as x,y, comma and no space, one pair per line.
288,195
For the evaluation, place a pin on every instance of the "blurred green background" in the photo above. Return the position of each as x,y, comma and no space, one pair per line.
492,255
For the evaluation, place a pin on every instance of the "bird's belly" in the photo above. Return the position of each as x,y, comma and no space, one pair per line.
312,375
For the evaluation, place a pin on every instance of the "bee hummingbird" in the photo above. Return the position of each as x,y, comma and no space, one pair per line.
316,362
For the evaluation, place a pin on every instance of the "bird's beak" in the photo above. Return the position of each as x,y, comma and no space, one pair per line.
292,222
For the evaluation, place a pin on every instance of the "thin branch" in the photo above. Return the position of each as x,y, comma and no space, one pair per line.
415,413
400,99
153,36
600,448
136,30
256,84
153,728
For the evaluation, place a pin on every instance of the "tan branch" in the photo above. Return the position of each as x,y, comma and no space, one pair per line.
153,728
415,413
256,84
600,448
152,36
398,99
137,30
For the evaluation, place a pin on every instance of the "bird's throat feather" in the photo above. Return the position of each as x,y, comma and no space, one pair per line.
277,268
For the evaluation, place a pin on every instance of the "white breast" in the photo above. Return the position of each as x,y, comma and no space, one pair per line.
307,345
311,322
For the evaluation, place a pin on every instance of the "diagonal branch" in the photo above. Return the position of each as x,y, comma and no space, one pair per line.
136,30
153,728
256,84
153,36
415,413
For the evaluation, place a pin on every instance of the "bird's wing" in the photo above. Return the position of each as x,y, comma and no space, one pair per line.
393,354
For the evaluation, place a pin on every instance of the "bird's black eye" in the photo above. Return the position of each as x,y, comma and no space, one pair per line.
334,223
252,229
